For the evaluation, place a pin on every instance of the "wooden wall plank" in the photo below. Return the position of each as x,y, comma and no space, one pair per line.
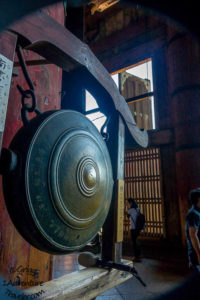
14,250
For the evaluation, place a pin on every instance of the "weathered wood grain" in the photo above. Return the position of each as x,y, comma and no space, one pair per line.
85,284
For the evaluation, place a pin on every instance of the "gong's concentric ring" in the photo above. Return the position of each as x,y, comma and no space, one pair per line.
87,176
63,183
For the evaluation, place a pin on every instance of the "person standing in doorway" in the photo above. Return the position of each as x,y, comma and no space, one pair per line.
192,228
133,212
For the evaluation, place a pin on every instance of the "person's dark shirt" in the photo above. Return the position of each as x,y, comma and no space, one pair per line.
192,220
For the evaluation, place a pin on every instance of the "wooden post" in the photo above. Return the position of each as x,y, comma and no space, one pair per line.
73,91
111,238
75,21
161,99
165,141
183,58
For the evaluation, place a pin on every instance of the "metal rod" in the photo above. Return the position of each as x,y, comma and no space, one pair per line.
140,97
23,66
92,111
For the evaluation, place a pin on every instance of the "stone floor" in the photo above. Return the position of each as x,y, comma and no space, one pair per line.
159,276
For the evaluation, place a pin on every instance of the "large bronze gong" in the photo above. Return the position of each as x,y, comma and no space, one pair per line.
59,194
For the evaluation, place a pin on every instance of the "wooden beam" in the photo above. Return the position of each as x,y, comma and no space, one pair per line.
161,137
156,138
40,32
34,62
119,37
129,46
140,97
132,66
87,283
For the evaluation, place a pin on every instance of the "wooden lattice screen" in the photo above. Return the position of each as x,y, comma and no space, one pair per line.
143,183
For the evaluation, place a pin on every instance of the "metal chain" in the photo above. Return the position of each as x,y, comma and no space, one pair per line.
105,135
26,94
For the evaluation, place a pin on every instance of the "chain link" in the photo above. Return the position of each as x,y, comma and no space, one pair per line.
26,94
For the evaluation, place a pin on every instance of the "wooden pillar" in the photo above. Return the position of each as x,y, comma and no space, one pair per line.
160,82
75,21
167,151
183,56
73,91
111,239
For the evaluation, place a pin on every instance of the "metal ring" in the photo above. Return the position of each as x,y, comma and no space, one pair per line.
26,95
